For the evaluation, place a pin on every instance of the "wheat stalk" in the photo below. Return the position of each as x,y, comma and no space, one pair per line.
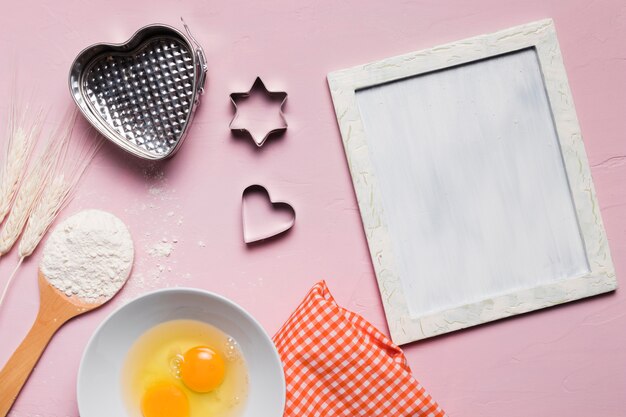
22,136
50,203
54,198
37,183
33,185
55,195
28,193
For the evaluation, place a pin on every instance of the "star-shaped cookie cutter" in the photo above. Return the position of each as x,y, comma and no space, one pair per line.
272,95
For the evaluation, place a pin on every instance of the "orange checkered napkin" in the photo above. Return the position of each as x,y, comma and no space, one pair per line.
338,364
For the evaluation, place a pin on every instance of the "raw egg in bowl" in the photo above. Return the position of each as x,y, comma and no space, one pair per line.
180,353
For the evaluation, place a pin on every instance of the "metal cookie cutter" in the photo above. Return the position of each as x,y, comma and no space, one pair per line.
271,95
262,217
141,94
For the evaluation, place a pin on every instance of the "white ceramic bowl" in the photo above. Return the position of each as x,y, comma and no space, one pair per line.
99,376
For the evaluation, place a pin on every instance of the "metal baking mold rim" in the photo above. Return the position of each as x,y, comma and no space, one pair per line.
138,41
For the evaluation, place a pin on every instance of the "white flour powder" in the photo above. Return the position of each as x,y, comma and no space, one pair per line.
161,249
89,256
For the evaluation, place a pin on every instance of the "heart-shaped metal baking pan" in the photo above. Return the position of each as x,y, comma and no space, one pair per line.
141,94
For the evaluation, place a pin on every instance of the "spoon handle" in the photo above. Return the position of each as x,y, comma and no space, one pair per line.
21,363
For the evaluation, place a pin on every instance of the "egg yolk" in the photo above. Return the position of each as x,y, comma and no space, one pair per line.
202,369
164,400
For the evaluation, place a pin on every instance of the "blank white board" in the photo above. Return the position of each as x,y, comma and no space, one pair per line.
472,181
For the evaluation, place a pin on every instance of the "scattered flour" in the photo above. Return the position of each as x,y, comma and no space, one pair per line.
155,190
89,255
161,249
155,264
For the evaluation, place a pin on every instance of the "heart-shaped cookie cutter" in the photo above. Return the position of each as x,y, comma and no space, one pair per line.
141,94
259,229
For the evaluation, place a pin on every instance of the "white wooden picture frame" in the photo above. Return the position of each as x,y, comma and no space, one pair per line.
472,181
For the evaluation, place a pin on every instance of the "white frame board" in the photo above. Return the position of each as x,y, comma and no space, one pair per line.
405,324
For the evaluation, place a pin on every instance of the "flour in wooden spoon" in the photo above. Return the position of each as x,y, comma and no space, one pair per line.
88,256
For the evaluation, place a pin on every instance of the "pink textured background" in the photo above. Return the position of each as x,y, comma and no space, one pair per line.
569,360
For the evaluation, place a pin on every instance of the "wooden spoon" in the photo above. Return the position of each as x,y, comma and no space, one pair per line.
55,308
